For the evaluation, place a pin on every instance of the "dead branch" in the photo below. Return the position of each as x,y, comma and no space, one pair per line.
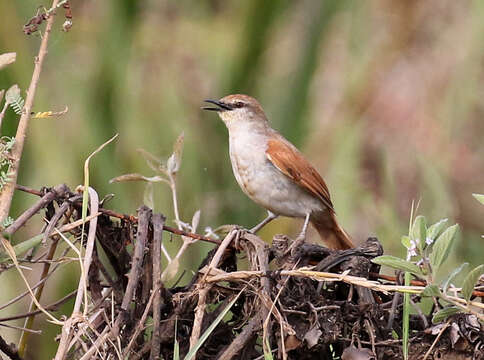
7,193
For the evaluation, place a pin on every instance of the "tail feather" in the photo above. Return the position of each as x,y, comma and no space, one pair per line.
330,232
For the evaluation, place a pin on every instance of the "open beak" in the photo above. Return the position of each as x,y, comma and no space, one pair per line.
221,106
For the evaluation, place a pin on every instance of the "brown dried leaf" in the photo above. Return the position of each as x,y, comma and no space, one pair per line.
136,177
312,336
292,342
454,333
153,162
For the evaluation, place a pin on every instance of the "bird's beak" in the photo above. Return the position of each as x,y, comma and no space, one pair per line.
221,106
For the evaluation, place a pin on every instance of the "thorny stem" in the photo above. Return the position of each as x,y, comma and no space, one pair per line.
7,193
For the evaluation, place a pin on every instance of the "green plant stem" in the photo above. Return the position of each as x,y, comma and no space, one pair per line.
406,317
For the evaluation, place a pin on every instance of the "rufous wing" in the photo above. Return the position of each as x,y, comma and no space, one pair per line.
292,163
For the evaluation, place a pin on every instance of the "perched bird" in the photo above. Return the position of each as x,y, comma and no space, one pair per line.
273,173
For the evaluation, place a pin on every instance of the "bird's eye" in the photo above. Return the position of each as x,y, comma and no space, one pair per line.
239,104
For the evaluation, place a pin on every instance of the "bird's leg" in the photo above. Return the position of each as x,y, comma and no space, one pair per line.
267,220
301,237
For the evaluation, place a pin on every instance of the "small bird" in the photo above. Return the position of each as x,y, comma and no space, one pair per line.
274,174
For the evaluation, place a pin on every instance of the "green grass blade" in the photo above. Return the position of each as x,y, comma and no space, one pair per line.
406,318
210,329
176,347
267,350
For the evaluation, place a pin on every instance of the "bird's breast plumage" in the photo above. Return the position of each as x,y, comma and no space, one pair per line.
261,180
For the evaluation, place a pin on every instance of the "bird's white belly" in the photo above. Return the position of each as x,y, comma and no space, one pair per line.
267,186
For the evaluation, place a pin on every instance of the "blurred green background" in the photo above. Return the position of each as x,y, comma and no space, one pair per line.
384,97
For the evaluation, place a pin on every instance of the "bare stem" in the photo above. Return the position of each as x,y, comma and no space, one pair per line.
7,193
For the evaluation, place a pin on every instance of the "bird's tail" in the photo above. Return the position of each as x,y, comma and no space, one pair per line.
331,233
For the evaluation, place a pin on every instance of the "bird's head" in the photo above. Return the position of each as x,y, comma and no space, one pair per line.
237,108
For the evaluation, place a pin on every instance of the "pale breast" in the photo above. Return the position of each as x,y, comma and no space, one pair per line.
263,182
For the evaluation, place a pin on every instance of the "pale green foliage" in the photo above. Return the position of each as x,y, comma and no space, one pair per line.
7,222
14,99
6,144
429,247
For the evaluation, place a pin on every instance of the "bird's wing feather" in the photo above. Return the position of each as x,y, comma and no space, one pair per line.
288,160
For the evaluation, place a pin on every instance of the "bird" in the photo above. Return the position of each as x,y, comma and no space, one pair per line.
274,174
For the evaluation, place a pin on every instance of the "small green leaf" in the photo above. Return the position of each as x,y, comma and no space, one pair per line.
14,99
442,246
443,314
431,290
453,274
479,197
406,241
419,232
398,264
267,350
436,229
471,280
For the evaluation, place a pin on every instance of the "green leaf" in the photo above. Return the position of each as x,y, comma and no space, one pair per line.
419,233
398,264
406,241
442,246
431,290
443,314
436,229
23,247
14,99
453,274
210,329
471,280
479,197
176,346
267,350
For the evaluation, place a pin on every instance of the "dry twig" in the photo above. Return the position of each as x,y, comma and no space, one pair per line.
7,193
